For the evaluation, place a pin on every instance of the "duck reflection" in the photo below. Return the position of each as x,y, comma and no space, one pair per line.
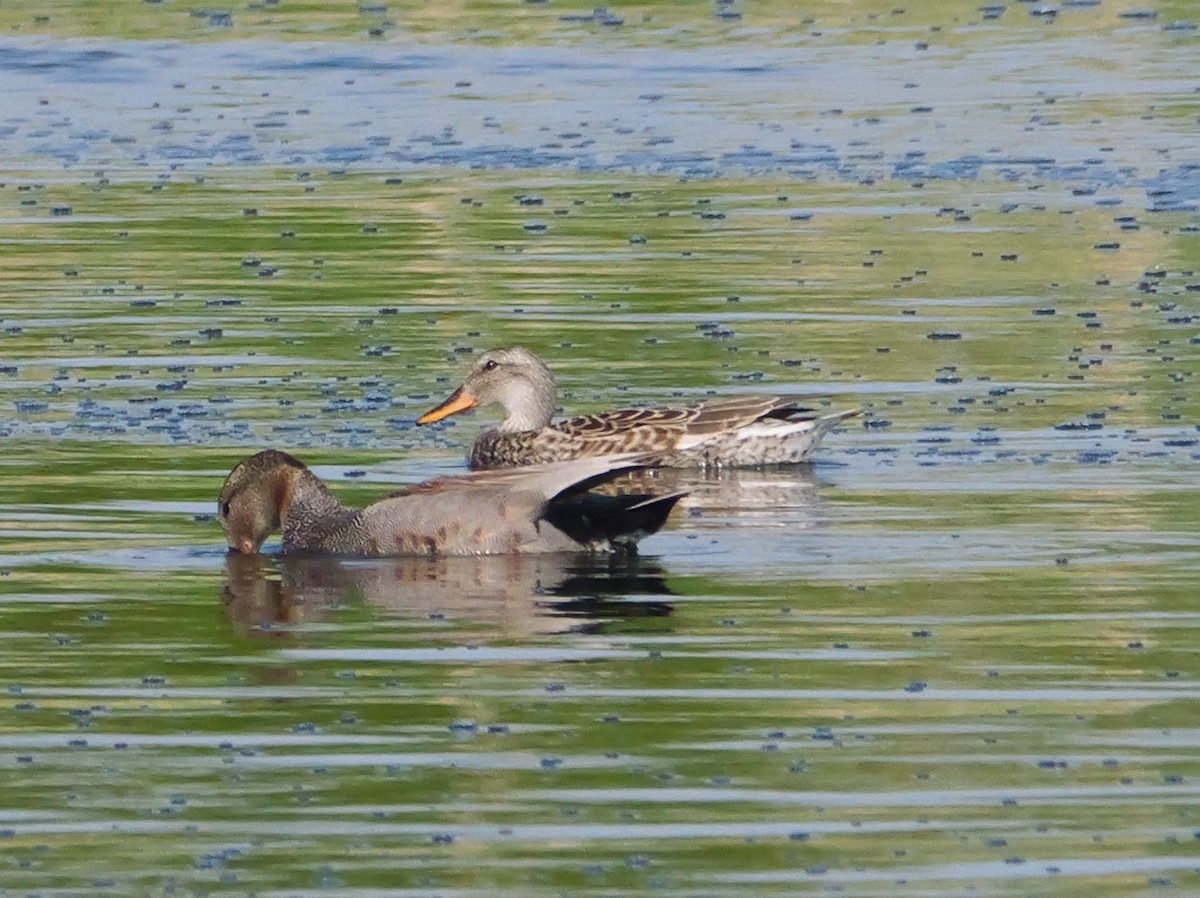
509,595
792,489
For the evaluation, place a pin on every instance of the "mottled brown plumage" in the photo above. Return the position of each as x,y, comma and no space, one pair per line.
739,431
545,508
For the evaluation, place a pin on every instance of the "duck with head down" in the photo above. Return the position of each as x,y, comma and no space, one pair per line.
739,431
545,508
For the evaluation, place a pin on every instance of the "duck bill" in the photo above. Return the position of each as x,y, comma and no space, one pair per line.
458,401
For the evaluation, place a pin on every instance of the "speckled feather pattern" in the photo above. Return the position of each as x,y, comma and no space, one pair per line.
742,432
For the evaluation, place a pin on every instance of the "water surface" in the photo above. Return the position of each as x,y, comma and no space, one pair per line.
955,656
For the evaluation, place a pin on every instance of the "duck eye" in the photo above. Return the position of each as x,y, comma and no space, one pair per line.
489,365
224,509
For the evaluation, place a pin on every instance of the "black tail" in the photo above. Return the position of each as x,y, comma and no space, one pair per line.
617,522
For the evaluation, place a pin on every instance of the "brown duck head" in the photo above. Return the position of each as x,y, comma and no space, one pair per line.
514,378
256,496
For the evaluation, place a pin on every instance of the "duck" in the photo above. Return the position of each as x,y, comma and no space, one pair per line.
538,509
738,431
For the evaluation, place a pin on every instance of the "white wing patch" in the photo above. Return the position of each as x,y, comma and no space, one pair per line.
768,430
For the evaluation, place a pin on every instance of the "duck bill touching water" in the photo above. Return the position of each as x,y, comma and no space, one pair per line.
546,508
740,431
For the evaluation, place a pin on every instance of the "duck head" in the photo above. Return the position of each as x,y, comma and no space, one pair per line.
514,378
255,497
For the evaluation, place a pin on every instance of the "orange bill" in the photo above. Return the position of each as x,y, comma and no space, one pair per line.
459,401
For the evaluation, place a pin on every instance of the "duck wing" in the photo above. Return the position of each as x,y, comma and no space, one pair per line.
546,480
662,428
513,510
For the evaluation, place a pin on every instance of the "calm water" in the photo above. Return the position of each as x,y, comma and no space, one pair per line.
955,657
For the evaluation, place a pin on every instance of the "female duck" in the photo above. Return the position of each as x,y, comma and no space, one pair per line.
741,431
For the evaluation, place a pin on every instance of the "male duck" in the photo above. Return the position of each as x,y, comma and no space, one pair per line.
546,508
740,431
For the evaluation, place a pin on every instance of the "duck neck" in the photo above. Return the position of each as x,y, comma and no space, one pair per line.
305,510
530,409
527,417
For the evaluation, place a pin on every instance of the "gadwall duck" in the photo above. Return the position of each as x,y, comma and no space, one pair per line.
546,508
741,431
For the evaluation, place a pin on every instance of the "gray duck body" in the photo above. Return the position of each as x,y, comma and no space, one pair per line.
545,508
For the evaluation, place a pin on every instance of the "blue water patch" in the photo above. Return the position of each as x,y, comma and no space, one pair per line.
1175,190
845,113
